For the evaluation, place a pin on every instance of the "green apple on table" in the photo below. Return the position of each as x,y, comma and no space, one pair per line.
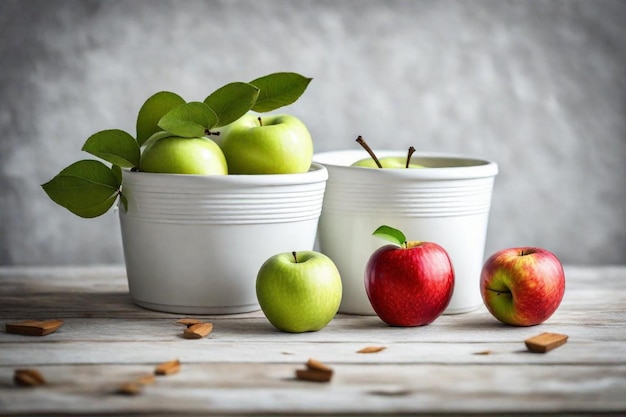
299,291
271,144
178,155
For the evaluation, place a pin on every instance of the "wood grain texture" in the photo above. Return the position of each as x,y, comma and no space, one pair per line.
246,367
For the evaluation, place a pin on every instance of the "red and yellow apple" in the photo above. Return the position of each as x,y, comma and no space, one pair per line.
522,286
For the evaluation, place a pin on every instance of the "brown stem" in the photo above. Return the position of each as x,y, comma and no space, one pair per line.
207,132
295,258
498,292
260,121
408,157
369,150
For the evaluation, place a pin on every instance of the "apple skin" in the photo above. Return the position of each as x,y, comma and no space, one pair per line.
386,162
176,155
281,145
409,286
301,296
522,286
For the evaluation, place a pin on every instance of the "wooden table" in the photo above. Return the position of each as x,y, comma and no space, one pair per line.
245,367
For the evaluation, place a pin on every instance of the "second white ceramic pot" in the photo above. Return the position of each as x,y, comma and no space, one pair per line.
447,202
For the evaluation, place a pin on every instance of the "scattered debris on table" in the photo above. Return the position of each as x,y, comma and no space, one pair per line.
34,327
545,342
196,329
135,387
28,377
315,371
168,368
372,349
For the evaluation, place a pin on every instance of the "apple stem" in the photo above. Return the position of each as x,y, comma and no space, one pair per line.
408,157
369,150
295,258
260,121
498,292
207,132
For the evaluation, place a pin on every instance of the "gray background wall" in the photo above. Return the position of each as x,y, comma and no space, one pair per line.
538,86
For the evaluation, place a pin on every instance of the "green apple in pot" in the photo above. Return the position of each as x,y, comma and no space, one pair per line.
299,291
178,155
387,162
271,144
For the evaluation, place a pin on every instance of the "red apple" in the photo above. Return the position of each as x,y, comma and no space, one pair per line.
522,286
410,283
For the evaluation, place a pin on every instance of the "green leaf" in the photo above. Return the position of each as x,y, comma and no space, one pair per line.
278,90
151,112
98,209
189,120
87,188
390,234
124,201
232,101
118,173
115,146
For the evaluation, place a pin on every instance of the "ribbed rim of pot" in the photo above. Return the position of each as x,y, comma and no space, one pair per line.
440,165
225,199
317,173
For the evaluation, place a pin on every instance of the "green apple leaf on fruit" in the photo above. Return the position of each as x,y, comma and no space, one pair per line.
390,234
87,188
232,101
115,146
190,120
152,111
117,171
278,90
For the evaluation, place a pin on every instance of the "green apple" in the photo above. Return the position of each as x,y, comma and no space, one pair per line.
386,162
272,144
177,155
299,291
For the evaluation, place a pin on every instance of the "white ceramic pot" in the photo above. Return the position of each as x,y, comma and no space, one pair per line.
447,203
193,244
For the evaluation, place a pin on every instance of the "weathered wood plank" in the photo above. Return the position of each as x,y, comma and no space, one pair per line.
466,328
22,354
217,389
